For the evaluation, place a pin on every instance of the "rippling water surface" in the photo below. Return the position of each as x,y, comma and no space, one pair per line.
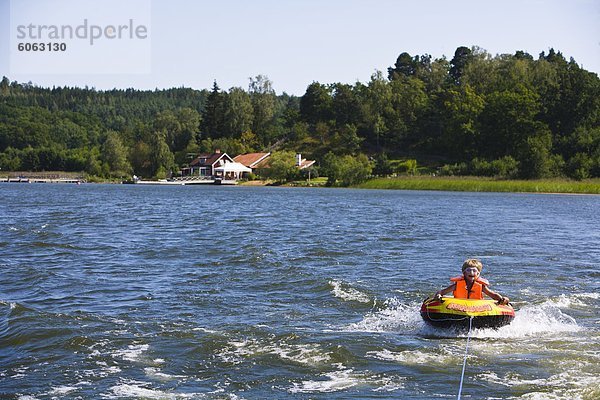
127,291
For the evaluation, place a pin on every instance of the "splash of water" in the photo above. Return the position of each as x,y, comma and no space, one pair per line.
394,316
344,292
534,319
398,316
346,378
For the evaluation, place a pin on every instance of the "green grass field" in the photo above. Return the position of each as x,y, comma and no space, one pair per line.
475,184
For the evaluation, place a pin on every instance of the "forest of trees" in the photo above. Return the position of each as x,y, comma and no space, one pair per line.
510,116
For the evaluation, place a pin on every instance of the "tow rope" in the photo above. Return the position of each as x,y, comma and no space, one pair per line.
462,376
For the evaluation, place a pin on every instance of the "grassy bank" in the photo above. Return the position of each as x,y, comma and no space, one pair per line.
475,184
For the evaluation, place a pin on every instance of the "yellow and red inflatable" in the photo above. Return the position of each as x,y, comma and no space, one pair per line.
450,312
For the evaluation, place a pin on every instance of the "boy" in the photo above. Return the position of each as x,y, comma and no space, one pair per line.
471,285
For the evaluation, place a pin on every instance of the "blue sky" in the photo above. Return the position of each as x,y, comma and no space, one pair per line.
297,42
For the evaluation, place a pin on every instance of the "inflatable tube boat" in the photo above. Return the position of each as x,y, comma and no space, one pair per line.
455,313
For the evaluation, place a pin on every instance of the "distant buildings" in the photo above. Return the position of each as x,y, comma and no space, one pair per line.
221,166
217,166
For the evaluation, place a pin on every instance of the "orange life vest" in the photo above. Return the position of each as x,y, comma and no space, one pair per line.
461,291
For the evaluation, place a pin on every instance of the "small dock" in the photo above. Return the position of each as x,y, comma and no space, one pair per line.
45,177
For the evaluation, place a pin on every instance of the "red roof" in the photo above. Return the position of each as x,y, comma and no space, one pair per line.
251,160
206,160
306,163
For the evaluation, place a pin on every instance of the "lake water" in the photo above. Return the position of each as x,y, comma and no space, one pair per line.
130,291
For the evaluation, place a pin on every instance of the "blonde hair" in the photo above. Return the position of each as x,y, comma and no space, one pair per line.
472,262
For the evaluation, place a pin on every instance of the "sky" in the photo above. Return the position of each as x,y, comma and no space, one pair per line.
293,42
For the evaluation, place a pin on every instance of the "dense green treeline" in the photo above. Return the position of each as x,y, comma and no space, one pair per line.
509,115
505,116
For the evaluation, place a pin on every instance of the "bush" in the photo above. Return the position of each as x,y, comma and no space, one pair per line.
535,157
410,166
282,166
383,166
595,171
330,167
161,173
557,166
479,167
9,160
350,170
505,167
312,171
580,166
404,167
454,170
355,169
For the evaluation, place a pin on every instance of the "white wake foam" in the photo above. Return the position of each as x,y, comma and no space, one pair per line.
346,293
346,378
566,385
307,354
134,389
395,316
533,320
156,374
133,353
417,357
333,382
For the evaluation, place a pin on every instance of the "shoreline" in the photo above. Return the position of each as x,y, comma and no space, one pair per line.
430,183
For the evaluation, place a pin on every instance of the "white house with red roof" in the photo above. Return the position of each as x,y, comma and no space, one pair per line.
218,166
205,164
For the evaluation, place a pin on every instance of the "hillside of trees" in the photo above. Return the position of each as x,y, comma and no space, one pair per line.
513,116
